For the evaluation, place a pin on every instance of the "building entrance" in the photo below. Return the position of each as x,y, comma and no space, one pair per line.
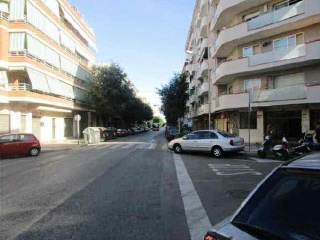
286,123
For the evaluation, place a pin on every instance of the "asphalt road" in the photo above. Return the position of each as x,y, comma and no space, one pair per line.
129,188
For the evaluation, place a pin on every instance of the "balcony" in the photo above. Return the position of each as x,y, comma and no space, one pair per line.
203,89
289,95
228,10
193,98
232,101
203,45
282,59
203,8
203,109
204,68
286,19
191,114
203,27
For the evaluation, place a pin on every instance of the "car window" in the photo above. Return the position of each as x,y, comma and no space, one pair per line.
9,138
193,136
286,205
213,135
24,137
226,134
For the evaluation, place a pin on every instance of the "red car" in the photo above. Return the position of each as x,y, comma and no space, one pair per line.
18,144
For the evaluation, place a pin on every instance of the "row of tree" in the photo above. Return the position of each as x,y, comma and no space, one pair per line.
115,97
174,97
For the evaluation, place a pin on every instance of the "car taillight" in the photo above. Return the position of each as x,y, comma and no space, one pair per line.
208,237
231,142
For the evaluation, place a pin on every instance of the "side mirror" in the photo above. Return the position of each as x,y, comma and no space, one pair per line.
185,137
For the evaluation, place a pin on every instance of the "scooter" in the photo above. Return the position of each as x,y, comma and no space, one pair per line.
308,141
280,151
299,149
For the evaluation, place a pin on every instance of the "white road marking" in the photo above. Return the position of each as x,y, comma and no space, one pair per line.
115,146
232,169
264,160
197,218
127,146
164,147
152,146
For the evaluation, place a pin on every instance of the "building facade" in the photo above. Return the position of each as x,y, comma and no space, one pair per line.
46,50
254,63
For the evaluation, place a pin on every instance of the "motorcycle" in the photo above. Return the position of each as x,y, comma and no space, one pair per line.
299,149
308,141
280,151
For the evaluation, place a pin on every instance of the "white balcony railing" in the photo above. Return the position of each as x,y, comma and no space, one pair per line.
278,55
203,109
277,16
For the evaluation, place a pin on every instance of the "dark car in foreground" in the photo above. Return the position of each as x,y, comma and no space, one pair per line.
285,205
19,144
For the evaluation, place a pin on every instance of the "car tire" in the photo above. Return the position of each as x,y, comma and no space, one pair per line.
217,152
177,148
34,152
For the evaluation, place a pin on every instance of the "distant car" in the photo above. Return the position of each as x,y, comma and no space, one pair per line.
19,144
171,133
285,205
155,127
213,141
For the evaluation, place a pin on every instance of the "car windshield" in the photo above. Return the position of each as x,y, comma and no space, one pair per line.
286,206
226,134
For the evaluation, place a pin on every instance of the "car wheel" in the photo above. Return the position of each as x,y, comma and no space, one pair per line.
262,154
34,152
217,152
177,148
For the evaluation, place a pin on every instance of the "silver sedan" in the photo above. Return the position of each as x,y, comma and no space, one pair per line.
213,141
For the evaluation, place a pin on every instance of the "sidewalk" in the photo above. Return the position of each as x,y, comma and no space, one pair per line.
61,145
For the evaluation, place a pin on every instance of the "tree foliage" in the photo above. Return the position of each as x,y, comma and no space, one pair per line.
114,96
174,97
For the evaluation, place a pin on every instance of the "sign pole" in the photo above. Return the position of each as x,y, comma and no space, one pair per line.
78,118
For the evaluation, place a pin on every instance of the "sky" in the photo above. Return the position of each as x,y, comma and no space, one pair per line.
146,38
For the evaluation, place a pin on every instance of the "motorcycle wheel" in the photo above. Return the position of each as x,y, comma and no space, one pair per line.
262,154
283,155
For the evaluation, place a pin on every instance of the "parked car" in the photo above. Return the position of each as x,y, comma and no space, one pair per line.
122,132
171,132
212,141
19,144
285,205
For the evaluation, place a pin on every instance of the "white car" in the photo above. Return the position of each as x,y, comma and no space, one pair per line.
213,141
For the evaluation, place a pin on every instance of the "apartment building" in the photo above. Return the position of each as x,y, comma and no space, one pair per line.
46,50
252,63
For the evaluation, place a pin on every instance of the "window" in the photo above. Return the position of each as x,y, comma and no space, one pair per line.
249,51
244,120
271,83
251,16
285,4
252,85
288,41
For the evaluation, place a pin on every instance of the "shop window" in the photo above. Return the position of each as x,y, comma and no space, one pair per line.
244,120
